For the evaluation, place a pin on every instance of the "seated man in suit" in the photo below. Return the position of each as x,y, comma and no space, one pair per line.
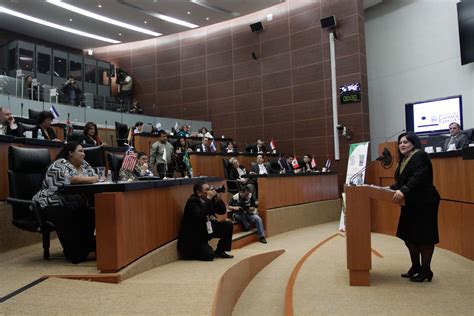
258,148
261,168
245,211
457,140
8,125
204,146
199,224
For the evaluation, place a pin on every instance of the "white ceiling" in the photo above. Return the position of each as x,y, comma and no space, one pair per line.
134,12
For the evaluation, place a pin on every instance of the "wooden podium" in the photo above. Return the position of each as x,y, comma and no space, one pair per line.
358,205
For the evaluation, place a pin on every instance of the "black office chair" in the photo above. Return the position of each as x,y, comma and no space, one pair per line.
249,148
121,133
75,135
95,156
115,163
233,186
26,170
32,114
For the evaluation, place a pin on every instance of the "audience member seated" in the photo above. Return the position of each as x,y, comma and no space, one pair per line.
135,108
457,140
204,146
180,149
8,124
91,135
203,132
245,211
183,132
140,170
138,127
71,91
236,173
69,212
306,164
43,130
230,148
32,91
161,154
199,225
261,168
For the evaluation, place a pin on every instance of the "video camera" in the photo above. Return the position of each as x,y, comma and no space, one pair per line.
220,189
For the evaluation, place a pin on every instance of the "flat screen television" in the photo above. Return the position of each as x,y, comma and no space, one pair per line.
433,116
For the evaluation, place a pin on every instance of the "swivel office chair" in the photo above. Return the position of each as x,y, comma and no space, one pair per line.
26,171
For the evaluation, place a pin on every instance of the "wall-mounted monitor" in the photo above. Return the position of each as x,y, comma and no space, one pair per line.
433,116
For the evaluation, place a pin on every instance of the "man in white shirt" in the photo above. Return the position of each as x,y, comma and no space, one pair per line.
260,168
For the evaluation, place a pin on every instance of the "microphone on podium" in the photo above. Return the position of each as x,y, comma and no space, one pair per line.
385,160
387,157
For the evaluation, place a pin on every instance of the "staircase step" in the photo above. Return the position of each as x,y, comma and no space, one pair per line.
237,227
242,239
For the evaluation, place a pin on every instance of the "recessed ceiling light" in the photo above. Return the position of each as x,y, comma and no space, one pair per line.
70,20
56,26
102,18
189,12
145,22
173,20
120,34
207,18
100,6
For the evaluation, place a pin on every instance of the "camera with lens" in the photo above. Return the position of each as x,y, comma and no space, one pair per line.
244,205
220,189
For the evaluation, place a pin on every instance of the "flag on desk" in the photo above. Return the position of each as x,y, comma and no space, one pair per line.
295,163
130,160
313,163
187,163
213,146
272,145
328,164
53,111
68,128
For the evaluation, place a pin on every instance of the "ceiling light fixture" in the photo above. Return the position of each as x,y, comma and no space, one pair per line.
100,6
102,18
207,18
189,12
57,26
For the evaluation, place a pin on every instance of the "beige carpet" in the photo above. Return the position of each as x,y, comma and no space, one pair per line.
321,287
188,287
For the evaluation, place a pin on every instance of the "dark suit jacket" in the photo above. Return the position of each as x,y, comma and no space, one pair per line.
18,132
255,150
51,133
460,142
256,169
419,217
193,224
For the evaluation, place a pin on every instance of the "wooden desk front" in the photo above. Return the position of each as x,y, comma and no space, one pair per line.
453,177
132,223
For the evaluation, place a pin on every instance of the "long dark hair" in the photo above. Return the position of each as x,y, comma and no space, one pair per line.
67,148
89,126
412,138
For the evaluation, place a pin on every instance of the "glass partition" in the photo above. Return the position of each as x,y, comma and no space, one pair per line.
26,59
60,67
90,74
104,76
44,64
75,69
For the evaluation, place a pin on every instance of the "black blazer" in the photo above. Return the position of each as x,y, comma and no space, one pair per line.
51,133
270,170
193,231
18,132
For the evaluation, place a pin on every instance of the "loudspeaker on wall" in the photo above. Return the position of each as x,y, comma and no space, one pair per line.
330,21
256,27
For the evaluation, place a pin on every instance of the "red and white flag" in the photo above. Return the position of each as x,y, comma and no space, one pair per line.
130,160
313,163
295,163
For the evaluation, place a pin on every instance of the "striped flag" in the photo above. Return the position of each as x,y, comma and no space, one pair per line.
328,164
213,147
130,137
272,145
313,163
53,111
129,160
187,163
68,128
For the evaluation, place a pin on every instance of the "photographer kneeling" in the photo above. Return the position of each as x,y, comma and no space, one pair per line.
199,225
243,203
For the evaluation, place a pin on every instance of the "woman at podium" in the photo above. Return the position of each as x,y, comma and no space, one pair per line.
418,224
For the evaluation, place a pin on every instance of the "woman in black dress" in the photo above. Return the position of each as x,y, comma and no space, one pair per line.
418,224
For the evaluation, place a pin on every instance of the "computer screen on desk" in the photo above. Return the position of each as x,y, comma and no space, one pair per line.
433,116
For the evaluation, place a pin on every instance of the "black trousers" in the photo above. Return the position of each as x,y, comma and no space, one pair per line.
75,230
204,252
160,169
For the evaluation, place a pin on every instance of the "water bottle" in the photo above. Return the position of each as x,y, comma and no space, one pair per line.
109,176
40,134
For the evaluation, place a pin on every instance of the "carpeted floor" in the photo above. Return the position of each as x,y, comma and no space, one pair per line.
188,287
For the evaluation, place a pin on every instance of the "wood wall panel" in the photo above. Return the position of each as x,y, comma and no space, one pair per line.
291,68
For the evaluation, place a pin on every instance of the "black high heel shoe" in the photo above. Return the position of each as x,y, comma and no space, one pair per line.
412,272
422,276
